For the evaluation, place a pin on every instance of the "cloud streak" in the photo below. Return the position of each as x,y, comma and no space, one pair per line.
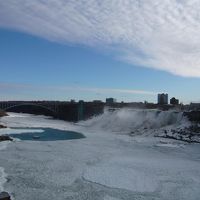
104,90
159,34
26,87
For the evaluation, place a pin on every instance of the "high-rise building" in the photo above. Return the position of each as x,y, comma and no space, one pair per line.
162,99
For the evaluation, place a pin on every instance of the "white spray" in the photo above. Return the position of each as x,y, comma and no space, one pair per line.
127,120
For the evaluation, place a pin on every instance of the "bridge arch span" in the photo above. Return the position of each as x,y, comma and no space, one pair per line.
28,107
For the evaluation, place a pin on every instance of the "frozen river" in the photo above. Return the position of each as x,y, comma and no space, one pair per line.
105,165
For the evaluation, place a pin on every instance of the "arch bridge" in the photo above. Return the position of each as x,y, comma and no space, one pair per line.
49,106
69,111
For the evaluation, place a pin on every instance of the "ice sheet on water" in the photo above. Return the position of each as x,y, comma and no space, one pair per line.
117,176
4,144
114,161
170,145
19,131
110,198
2,178
34,121
126,121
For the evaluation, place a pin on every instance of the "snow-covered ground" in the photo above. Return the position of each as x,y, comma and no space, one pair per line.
106,165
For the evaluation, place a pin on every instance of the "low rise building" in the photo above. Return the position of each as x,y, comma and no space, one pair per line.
110,100
174,101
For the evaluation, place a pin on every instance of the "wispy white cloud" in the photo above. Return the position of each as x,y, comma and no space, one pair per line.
61,89
160,34
104,90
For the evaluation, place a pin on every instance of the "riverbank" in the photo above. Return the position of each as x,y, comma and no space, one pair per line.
3,113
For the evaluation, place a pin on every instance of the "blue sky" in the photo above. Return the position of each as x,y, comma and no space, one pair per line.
41,60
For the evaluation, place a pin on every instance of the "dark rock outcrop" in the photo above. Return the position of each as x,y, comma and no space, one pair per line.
187,134
4,196
2,113
5,138
193,116
2,126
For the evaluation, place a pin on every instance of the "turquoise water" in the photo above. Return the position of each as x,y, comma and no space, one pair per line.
49,134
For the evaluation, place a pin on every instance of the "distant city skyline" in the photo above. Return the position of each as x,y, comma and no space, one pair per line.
93,50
